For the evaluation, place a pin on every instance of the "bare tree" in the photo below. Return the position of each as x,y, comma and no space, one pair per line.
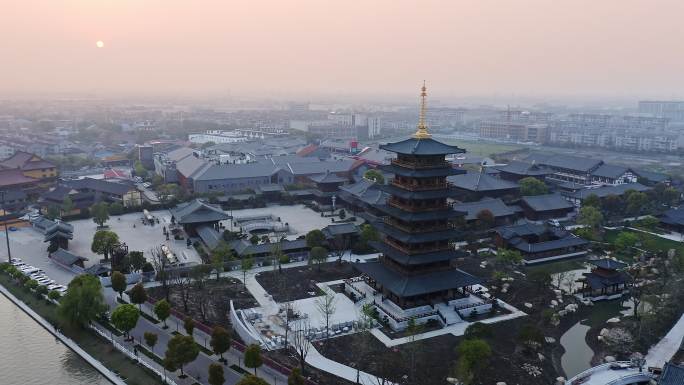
200,276
362,339
184,285
326,307
300,341
338,245
161,270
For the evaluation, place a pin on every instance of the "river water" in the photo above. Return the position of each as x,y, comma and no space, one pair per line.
30,355
577,356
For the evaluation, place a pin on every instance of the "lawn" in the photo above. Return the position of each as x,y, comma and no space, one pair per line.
649,242
482,148
93,344
557,267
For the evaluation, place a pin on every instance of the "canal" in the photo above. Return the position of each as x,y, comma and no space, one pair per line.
30,355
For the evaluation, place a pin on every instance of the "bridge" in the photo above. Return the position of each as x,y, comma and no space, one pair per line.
613,373
265,222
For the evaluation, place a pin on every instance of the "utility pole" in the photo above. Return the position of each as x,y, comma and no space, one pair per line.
4,214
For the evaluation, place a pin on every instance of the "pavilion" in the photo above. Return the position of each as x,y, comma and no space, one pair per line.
605,281
196,213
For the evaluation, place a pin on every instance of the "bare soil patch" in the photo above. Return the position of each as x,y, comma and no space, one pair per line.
211,304
300,282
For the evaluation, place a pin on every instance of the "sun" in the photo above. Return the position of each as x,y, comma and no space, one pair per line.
99,44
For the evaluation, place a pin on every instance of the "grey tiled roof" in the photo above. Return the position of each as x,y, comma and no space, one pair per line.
328,177
569,162
179,153
652,176
189,165
673,374
197,211
496,206
597,281
312,168
609,264
236,171
561,243
604,191
524,168
408,286
673,216
478,181
610,171
340,229
100,185
66,258
209,236
547,202
415,146
244,247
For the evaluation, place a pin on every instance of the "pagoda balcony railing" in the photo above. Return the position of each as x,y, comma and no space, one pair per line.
421,250
420,187
420,165
415,209
420,229
399,319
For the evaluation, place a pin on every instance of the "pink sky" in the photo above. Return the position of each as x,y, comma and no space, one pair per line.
253,47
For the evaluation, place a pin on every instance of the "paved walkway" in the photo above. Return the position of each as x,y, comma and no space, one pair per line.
677,237
666,348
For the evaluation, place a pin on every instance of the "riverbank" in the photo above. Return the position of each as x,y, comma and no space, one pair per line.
96,351
65,340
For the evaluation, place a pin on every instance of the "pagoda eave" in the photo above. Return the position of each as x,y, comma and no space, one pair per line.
415,285
406,237
416,259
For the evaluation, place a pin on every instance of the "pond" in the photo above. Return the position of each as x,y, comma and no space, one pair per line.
577,356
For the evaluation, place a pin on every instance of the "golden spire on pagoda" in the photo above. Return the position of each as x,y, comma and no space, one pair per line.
422,132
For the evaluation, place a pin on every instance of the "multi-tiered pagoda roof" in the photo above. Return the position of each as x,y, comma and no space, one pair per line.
417,263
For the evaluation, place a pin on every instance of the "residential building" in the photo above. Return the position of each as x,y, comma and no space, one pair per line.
85,192
146,156
30,165
672,109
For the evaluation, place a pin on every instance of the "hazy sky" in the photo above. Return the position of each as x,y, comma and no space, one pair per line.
608,47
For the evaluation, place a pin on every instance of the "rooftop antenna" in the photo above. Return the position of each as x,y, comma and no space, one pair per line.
422,132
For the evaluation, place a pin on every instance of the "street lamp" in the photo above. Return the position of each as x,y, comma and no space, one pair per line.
4,214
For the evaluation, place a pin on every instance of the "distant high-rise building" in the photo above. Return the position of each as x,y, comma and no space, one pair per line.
673,110
514,131
299,107
146,156
373,127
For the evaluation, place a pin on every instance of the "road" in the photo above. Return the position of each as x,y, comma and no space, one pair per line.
198,370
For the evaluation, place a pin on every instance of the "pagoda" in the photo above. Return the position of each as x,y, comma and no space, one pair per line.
416,270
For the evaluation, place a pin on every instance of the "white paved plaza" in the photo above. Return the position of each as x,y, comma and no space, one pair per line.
300,218
27,243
